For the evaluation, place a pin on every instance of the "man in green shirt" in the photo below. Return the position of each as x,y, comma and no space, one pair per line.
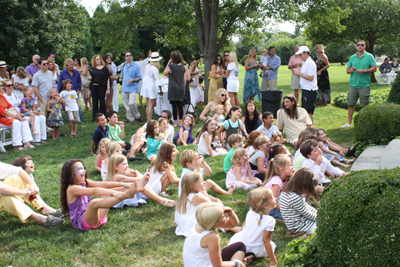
360,67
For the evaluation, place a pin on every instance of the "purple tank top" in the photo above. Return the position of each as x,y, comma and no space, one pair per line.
77,210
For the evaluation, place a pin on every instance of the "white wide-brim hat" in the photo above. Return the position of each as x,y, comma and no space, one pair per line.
155,57
3,64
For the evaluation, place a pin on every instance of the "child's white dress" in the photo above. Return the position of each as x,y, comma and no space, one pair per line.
186,221
104,171
231,178
193,254
252,234
220,118
155,180
203,150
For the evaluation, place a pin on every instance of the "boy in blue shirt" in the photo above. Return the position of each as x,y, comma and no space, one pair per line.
268,127
101,132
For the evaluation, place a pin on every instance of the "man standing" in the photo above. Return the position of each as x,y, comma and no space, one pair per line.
360,67
295,62
70,73
131,75
114,85
270,77
42,82
32,68
142,65
308,80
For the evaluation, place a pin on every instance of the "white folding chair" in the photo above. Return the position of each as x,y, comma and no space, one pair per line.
4,141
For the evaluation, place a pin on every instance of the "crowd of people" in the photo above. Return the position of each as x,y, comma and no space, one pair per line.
278,182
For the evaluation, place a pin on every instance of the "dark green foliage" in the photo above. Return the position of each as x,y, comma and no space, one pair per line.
359,220
377,123
376,97
394,95
301,252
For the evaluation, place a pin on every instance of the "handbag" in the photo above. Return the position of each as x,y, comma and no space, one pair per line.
12,111
195,80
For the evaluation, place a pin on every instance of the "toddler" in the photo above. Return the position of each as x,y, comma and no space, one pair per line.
54,110
71,106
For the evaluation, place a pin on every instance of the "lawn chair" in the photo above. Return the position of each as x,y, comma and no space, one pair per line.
3,138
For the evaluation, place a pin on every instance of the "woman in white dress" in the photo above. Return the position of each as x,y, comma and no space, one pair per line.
150,83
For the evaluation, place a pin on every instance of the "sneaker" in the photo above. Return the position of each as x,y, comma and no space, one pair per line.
346,125
139,119
58,213
127,121
52,221
125,153
134,158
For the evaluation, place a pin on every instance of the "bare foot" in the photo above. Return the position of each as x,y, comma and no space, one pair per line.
231,189
347,166
350,160
142,183
130,193
185,144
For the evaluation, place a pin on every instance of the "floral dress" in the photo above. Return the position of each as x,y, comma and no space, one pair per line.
55,119
214,85
231,178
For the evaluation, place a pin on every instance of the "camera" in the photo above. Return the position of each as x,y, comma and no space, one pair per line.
216,144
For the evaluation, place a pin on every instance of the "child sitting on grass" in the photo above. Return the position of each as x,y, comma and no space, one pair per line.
232,125
259,160
206,136
191,161
268,127
117,130
239,174
101,153
235,142
185,133
154,139
112,148
250,141
101,131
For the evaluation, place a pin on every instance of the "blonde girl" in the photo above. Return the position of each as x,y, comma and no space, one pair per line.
54,109
119,171
219,115
101,153
163,122
256,231
184,135
232,79
85,83
239,174
76,192
202,244
154,140
161,170
258,159
112,148
280,170
192,195
207,135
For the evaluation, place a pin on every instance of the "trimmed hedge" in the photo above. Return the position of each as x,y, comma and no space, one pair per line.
377,97
359,220
394,95
301,252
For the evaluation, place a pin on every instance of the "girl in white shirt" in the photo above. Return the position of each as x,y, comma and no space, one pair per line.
232,78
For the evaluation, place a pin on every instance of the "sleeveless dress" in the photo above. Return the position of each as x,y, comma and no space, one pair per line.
324,87
190,137
251,86
214,85
329,156
77,211
155,180
193,254
231,178
185,222
203,150
176,83
56,119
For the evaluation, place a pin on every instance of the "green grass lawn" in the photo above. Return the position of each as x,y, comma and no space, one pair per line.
133,236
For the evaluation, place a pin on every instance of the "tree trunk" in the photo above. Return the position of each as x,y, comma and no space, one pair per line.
370,49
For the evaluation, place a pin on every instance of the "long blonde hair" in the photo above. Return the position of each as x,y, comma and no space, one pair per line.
155,64
208,214
217,97
22,71
237,155
257,198
279,161
251,49
111,148
114,161
103,142
188,181
234,58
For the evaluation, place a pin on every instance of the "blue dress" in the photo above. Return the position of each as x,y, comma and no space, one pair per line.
190,137
251,86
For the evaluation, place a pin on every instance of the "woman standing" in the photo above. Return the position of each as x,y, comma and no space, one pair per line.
85,83
54,69
195,74
251,87
109,97
232,79
324,87
217,70
176,73
100,84
150,83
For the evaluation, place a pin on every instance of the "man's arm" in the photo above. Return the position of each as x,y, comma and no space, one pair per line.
275,64
36,91
92,147
60,79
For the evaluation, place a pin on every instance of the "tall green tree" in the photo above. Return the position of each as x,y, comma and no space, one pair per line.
210,23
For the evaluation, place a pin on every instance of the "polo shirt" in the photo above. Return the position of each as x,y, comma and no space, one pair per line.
269,132
31,70
309,68
275,63
365,62
76,80
129,73
115,133
99,134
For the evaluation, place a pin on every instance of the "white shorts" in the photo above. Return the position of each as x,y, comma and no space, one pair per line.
232,86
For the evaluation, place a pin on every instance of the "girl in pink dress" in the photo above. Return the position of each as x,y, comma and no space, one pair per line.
239,174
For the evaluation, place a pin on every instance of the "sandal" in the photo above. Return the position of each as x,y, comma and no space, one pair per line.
290,234
35,133
173,203
31,147
249,257
50,129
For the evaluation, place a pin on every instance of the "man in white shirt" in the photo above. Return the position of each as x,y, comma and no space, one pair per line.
308,81
16,187
142,64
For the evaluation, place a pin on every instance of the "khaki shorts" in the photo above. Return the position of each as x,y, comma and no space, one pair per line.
269,84
295,83
73,116
43,107
355,93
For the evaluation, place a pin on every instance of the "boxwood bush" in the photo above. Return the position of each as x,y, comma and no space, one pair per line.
359,220
377,123
300,252
377,97
394,95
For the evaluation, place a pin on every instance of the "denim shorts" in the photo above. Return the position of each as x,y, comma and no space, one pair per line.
276,214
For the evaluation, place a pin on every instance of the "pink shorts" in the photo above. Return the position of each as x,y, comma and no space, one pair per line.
88,226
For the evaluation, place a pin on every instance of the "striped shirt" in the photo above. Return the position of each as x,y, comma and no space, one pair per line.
297,214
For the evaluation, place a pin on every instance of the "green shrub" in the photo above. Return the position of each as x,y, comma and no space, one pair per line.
301,252
377,123
394,95
377,97
359,220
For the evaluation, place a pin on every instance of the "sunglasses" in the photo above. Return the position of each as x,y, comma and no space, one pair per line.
226,55
8,85
289,96
44,64
360,44
223,94
128,55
